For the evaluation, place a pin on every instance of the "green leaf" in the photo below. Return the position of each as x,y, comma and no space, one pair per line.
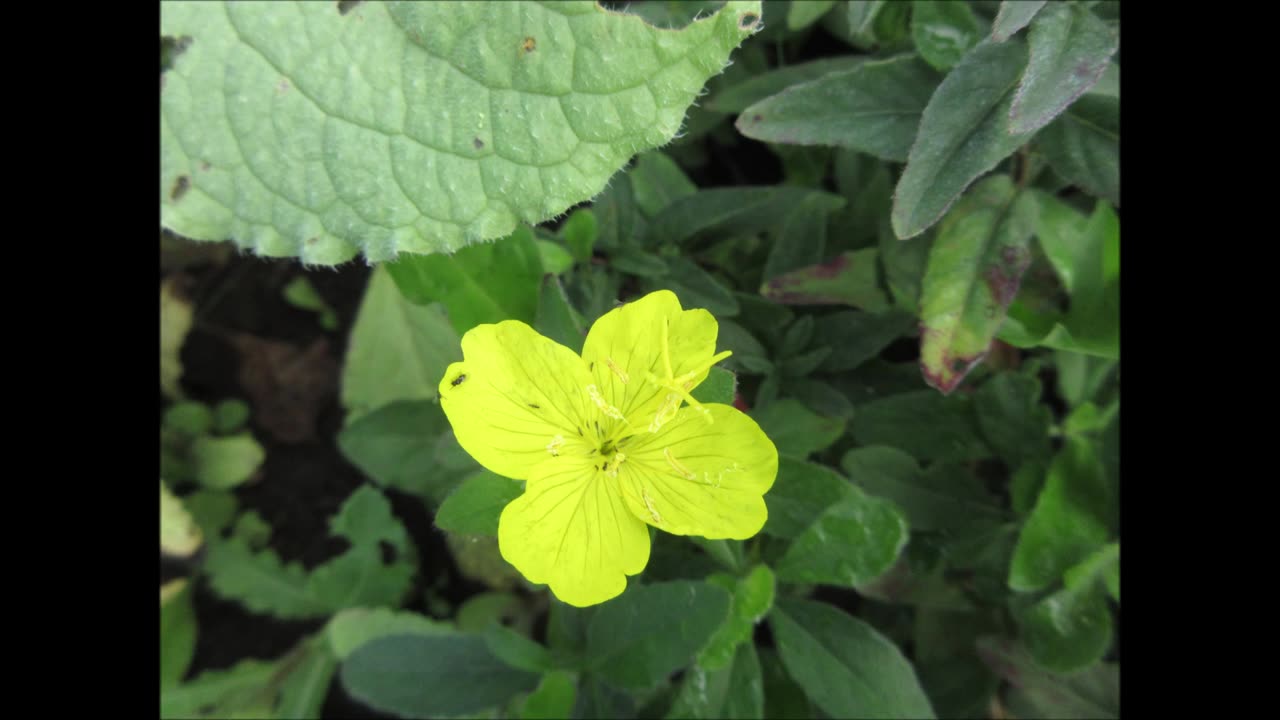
484,283
1013,420
847,279
944,31
897,421
406,445
230,415
303,692
552,699
963,133
943,498
243,689
300,293
802,238
698,288
737,98
1071,629
189,418
845,666
556,317
796,430
855,337
515,649
176,318
639,263
1091,693
222,463
752,600
1068,521
974,271
579,232
213,510
651,631
253,529
801,492
1070,49
958,683
179,533
473,508
719,387
177,636
358,577
618,219
874,108
783,697
397,351
352,628
554,258
1083,145
853,541
658,181
431,675
414,141
803,14
1013,16
728,211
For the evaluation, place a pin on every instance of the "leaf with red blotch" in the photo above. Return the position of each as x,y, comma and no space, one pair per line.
847,279
974,270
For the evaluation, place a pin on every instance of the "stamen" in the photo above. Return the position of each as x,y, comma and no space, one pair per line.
622,374
554,446
648,503
618,459
668,410
675,465
606,408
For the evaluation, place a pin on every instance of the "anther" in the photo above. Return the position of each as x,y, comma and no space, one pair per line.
675,465
648,503
622,374
554,446
618,459
606,408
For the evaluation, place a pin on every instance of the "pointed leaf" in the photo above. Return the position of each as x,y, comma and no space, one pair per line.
847,279
974,270
873,108
943,31
964,132
1083,145
853,541
1013,16
737,98
1070,49
301,131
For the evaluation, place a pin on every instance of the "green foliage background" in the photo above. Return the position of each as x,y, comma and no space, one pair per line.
924,316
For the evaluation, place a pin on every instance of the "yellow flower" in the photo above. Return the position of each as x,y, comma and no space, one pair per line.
607,442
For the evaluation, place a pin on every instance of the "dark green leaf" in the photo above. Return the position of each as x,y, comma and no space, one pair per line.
796,430
402,445
1068,521
597,700
473,508
424,676
230,415
856,337
482,283
553,699
697,288
873,108
243,689
1083,145
975,267
640,263
802,238
1013,16
303,692
803,14
847,279
727,210
853,541
737,98
1070,49
897,421
783,697
189,418
944,31
658,181
579,232
719,387
651,631
845,666
964,132
354,627
945,497
556,317
617,217
177,637
1013,420
800,494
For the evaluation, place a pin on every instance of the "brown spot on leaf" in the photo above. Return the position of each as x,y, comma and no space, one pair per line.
345,6
282,87
529,45
748,21
180,187
1004,277
287,386
757,117
478,143
205,166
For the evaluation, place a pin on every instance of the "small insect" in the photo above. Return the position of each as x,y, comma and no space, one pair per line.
459,380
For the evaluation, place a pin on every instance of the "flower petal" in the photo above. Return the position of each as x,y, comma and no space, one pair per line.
698,478
516,399
572,531
625,344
